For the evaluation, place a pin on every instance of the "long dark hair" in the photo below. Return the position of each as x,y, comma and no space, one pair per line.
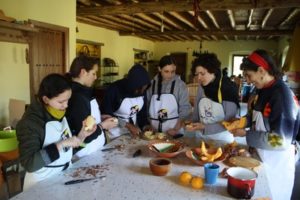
164,61
265,59
53,85
81,62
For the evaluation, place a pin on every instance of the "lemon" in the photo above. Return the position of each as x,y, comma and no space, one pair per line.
197,182
185,178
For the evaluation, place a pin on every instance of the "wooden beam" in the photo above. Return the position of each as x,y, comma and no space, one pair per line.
213,19
249,19
200,20
167,20
290,16
182,5
266,17
138,21
231,18
182,19
216,32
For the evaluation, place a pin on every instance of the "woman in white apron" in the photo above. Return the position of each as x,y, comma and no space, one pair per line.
125,99
83,72
217,100
168,99
45,140
274,123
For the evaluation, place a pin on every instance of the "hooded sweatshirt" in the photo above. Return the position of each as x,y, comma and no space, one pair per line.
180,93
125,88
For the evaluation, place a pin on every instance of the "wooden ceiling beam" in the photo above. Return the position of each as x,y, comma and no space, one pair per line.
249,19
165,19
216,32
266,17
182,5
153,21
136,20
213,19
290,16
183,20
231,18
200,20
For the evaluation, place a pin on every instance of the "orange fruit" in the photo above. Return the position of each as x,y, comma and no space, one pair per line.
185,178
197,182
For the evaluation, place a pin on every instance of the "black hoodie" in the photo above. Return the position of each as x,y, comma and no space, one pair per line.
125,88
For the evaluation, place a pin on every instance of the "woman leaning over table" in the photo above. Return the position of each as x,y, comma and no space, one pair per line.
168,98
217,100
274,122
45,140
83,72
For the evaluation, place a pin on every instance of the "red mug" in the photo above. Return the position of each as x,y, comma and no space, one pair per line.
241,182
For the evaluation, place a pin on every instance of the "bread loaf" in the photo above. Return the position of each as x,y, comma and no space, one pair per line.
89,123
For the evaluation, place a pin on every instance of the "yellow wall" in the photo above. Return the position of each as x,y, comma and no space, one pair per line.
119,48
58,12
223,49
14,77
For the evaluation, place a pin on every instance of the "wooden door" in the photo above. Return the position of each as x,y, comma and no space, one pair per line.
181,60
48,53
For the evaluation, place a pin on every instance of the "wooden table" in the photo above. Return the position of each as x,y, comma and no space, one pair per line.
130,178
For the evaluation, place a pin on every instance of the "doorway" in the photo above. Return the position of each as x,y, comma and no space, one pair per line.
181,60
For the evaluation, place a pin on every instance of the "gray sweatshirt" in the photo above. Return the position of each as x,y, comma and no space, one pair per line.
180,93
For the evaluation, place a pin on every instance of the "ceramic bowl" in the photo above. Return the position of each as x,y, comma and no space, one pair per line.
194,155
8,141
166,149
160,166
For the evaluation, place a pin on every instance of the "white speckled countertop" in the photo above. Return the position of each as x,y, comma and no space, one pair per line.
130,178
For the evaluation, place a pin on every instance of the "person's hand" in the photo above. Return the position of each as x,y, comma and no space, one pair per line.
84,133
194,126
104,117
239,132
172,131
135,131
109,123
70,142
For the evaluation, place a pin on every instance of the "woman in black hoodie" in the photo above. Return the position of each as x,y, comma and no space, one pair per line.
82,103
125,99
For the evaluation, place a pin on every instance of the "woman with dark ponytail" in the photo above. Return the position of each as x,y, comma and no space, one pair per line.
168,98
274,122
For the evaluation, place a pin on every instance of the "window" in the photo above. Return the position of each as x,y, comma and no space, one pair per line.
236,62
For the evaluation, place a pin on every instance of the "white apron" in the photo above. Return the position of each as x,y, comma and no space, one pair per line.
279,165
164,112
127,112
211,112
54,131
99,142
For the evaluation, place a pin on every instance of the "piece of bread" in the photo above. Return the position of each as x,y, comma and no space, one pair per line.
89,123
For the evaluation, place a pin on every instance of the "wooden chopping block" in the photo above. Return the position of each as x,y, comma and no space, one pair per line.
247,162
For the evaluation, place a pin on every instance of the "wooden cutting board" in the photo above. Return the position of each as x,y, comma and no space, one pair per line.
246,162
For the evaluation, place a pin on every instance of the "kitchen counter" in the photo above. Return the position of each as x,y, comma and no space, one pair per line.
130,178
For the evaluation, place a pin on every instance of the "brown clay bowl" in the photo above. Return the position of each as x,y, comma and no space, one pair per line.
166,149
160,166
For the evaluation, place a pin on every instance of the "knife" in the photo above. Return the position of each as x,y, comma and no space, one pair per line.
108,149
82,180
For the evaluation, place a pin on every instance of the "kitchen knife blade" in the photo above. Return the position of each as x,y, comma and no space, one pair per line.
82,180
